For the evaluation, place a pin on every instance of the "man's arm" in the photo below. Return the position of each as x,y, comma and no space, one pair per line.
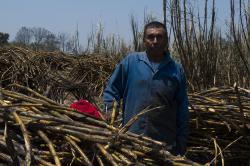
115,87
182,116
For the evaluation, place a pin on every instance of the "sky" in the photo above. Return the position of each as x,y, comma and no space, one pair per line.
64,15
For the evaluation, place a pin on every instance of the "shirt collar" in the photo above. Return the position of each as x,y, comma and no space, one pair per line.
166,60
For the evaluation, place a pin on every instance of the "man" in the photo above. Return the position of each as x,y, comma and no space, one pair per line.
148,80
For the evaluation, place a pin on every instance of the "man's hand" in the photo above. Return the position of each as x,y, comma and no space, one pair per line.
108,116
110,112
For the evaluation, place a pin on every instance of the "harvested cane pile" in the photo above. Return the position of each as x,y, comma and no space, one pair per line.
36,130
219,117
55,74
220,126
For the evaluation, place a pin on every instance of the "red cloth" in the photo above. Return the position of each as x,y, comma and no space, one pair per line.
86,107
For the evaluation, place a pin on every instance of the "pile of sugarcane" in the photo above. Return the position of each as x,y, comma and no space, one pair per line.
36,130
55,74
220,126
219,117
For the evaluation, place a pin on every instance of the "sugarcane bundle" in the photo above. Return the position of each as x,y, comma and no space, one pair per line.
37,130
220,126
55,74
219,116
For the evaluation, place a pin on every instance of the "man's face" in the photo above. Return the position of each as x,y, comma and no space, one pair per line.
155,40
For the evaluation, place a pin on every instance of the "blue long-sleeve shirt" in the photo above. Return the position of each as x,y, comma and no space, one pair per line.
139,85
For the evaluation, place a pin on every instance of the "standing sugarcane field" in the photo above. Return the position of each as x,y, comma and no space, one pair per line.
65,100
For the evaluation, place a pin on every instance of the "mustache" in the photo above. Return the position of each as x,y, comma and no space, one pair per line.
156,47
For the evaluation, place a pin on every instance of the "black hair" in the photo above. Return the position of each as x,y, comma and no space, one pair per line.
154,24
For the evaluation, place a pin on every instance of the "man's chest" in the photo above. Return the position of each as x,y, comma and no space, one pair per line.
162,82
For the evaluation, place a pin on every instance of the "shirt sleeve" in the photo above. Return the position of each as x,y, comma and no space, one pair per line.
182,116
115,86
